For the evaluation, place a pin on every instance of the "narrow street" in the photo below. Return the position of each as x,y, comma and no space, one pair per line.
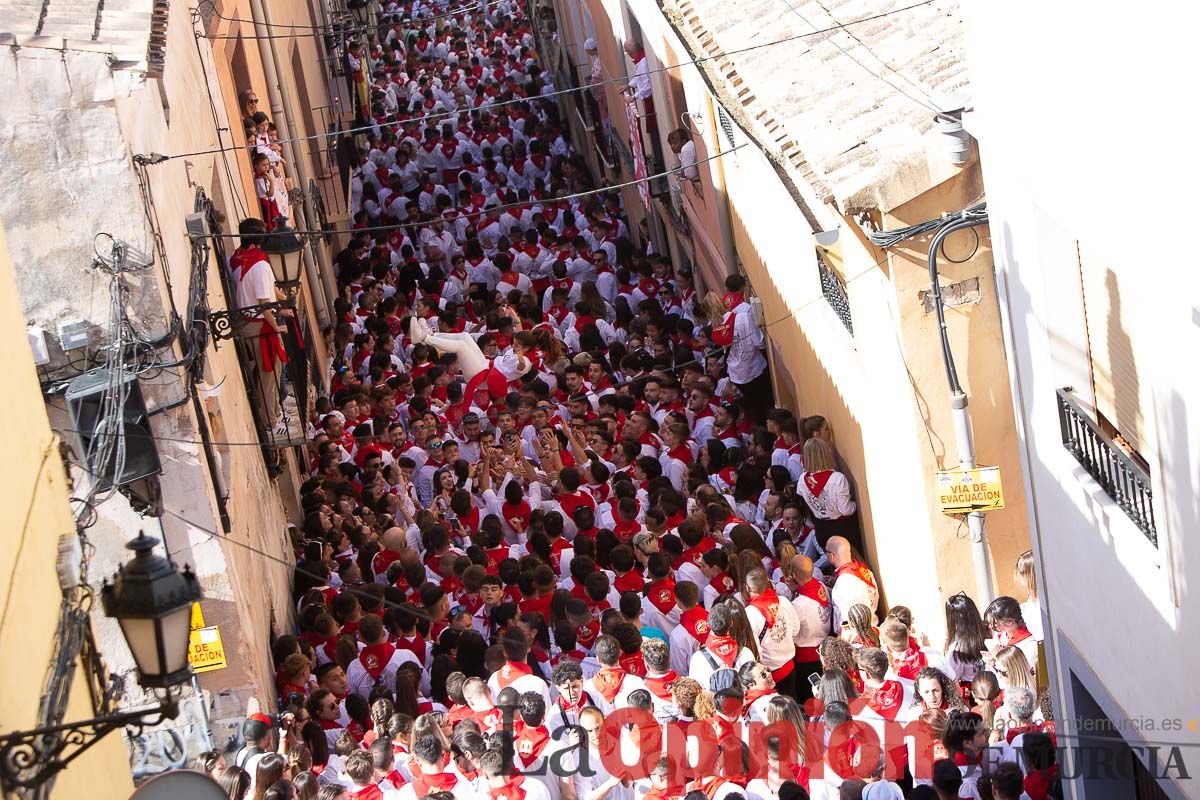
583,400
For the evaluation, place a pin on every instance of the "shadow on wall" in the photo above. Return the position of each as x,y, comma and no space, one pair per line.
1111,583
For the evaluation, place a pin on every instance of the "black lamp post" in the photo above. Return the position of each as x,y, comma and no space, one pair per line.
285,248
152,602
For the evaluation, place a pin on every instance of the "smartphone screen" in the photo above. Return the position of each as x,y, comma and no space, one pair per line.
815,680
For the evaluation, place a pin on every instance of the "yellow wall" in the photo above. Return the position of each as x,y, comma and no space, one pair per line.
883,389
37,518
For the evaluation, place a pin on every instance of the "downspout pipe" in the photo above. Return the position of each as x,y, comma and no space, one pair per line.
316,270
960,413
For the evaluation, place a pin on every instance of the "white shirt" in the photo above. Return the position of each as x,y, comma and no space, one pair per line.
834,502
777,646
814,620
746,360
849,590
257,286
701,669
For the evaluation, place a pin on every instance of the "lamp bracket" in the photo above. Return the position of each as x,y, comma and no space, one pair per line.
30,758
228,324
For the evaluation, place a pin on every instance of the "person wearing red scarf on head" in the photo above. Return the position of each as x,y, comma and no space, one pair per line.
775,626
256,286
611,684
504,782
429,775
720,649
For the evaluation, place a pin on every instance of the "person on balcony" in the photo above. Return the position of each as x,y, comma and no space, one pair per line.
256,287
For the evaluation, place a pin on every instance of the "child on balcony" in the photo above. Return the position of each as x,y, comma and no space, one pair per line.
264,188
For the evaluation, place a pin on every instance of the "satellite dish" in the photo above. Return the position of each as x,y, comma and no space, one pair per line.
180,785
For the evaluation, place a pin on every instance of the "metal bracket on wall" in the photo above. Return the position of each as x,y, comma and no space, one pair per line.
228,324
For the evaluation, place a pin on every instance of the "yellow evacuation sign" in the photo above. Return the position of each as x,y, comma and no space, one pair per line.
960,491
205,650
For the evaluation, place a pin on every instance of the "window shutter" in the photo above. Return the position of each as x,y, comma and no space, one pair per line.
1118,388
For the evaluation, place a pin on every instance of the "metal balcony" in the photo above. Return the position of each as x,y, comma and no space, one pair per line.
1122,478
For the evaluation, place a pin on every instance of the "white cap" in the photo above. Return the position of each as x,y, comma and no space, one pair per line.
589,45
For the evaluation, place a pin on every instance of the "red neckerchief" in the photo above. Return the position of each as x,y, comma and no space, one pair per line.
681,452
661,594
753,695
1038,782
625,531
710,786
511,790
815,481
568,655
909,663
858,570
330,724
661,686
530,743
246,257
723,647
723,583
425,784
631,581
369,792
586,635
608,682
375,658
633,663
510,672
414,644
961,759
395,779
695,622
669,793
815,590
886,700
1019,635
471,601
767,604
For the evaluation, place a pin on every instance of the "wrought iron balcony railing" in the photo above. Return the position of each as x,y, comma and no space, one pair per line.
1122,478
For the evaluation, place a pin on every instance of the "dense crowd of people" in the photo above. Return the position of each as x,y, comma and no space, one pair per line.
554,522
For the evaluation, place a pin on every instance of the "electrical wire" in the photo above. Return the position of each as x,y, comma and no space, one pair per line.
928,103
888,239
335,29
559,92
701,360
505,206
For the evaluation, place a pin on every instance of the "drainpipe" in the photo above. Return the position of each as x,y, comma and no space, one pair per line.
717,171
961,415
316,270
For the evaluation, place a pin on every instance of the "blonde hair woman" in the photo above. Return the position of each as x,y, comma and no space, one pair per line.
1012,669
1026,576
827,493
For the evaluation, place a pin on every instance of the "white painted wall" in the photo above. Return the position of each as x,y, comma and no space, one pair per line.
1083,137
